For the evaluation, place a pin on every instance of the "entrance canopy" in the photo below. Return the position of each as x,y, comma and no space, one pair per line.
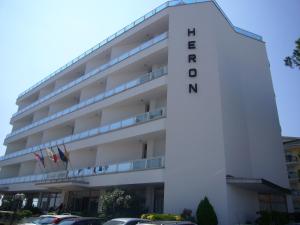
64,185
261,186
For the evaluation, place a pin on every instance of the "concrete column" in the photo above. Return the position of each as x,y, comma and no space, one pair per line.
29,200
102,192
40,200
150,199
64,197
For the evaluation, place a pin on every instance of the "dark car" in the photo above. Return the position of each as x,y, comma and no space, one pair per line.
81,221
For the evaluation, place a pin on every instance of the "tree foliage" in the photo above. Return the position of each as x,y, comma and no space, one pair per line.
294,60
120,203
206,214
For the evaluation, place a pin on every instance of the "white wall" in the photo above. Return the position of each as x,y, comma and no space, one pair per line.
34,139
82,158
40,114
15,146
57,132
87,122
63,104
27,168
9,171
116,113
123,77
118,152
92,90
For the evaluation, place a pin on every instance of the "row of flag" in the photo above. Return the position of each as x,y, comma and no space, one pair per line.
63,155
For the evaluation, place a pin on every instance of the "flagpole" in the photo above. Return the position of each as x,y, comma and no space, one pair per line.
68,158
50,161
43,162
39,163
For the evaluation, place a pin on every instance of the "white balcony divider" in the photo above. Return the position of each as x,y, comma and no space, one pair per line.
100,97
78,174
96,71
129,27
142,118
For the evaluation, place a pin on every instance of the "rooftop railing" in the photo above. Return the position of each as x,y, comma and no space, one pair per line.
98,98
129,27
70,175
142,118
96,71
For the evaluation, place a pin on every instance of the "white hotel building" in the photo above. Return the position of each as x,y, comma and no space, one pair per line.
176,106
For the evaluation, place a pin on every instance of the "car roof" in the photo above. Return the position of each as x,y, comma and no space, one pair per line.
129,219
83,218
168,222
59,216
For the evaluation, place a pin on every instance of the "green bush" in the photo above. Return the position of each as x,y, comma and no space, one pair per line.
120,203
156,216
206,214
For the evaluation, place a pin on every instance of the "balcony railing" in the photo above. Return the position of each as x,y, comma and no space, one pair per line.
98,98
136,165
96,71
129,27
142,118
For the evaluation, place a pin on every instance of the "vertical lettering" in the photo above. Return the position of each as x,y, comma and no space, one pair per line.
191,32
193,88
192,72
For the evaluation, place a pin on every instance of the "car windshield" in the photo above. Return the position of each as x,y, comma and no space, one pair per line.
45,220
66,222
114,222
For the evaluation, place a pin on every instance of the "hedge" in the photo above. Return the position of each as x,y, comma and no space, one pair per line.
156,216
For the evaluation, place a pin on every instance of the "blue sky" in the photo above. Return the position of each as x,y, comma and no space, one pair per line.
37,37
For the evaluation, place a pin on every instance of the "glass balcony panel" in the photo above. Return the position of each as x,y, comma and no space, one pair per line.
154,163
108,93
123,167
111,168
104,129
128,122
120,88
115,126
139,165
141,118
99,170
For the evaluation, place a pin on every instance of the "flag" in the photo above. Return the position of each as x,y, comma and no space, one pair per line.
42,158
39,158
62,156
66,152
52,155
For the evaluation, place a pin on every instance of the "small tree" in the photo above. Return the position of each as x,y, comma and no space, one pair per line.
206,214
294,60
120,203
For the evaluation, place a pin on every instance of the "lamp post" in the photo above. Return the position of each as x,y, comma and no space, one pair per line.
17,200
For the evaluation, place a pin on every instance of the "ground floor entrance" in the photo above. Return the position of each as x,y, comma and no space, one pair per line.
87,200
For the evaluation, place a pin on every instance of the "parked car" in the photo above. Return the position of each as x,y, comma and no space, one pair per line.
81,221
49,219
126,221
168,223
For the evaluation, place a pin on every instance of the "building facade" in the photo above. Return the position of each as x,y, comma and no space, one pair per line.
292,156
176,106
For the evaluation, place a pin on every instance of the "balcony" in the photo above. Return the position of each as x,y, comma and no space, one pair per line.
139,119
96,71
292,160
77,175
98,98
